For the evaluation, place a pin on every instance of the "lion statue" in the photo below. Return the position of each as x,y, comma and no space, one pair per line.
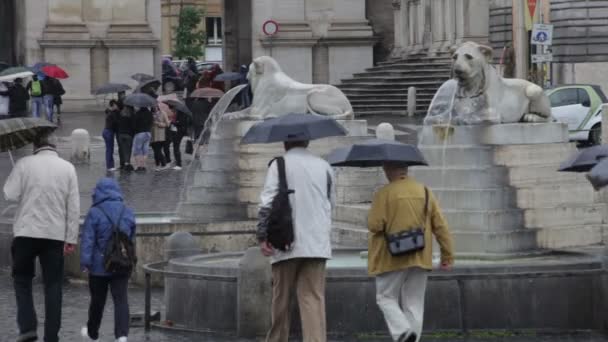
483,96
276,94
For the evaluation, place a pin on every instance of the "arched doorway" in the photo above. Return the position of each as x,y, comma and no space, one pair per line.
8,34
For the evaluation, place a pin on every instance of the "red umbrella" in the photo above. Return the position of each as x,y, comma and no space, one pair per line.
207,93
54,72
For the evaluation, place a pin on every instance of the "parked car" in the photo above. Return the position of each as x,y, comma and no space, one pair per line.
172,79
579,106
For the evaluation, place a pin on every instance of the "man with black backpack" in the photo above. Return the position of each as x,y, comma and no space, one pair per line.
298,244
108,254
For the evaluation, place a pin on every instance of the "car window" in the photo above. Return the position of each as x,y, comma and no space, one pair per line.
583,96
564,97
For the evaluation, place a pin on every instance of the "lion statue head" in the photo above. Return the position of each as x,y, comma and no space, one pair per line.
259,67
469,64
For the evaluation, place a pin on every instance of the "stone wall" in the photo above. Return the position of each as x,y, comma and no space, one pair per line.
380,15
7,31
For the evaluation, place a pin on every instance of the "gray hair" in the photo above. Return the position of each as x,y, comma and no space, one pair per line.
45,139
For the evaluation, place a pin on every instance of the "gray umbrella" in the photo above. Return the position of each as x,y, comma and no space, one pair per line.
228,76
374,153
140,100
139,77
585,160
180,107
293,127
154,83
111,88
598,176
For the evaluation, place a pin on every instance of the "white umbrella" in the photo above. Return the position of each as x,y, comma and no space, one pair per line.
9,78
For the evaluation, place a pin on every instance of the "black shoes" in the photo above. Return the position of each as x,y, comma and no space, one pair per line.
408,337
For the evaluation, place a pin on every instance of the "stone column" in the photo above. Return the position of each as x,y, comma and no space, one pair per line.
438,25
398,24
413,24
450,24
475,21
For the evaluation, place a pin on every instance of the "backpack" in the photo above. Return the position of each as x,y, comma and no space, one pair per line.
280,233
36,88
119,257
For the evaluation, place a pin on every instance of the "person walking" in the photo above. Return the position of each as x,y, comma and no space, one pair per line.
301,269
161,122
109,133
18,99
108,211
125,132
58,92
177,131
142,127
401,281
46,227
36,92
50,90
5,100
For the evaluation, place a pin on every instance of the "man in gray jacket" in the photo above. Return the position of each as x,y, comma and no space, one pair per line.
301,269
46,227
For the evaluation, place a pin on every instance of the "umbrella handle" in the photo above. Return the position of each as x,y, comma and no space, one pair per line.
10,154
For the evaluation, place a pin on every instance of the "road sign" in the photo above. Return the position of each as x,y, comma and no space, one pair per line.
542,34
546,58
270,27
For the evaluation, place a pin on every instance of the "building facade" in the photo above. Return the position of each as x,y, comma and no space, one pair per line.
94,41
212,24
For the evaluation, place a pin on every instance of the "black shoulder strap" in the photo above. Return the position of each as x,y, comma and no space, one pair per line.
116,225
282,175
426,204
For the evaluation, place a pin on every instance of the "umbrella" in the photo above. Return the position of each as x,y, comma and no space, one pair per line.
18,132
54,72
38,66
207,93
180,107
111,88
140,100
293,127
373,153
228,76
139,77
14,70
598,176
12,77
585,160
148,83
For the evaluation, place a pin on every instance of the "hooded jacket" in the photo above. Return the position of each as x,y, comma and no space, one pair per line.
97,229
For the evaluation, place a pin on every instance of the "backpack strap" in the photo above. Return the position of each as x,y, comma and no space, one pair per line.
115,226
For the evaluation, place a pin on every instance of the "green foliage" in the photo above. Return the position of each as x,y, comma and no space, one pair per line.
189,40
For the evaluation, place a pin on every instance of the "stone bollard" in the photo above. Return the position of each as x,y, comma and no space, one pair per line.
385,131
81,146
181,245
254,294
411,101
604,124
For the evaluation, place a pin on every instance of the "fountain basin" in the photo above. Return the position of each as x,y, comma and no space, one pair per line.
557,291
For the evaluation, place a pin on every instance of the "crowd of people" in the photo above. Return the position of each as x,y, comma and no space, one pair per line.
45,94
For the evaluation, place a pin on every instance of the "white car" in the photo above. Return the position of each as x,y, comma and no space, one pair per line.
579,106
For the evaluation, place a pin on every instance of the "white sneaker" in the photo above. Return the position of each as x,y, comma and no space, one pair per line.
112,169
84,332
177,168
122,339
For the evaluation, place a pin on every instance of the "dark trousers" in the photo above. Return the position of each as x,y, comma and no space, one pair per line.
125,145
50,253
98,287
167,146
176,140
108,137
159,157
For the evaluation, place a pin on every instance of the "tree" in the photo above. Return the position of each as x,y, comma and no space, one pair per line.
189,40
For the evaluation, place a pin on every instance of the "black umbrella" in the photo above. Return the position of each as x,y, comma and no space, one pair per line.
374,153
153,82
18,132
585,160
293,127
140,100
139,77
111,88
180,107
228,76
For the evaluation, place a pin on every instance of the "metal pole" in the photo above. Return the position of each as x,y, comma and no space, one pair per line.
520,39
147,303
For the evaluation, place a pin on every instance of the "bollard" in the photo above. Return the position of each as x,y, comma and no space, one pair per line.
411,101
81,150
604,123
254,294
385,131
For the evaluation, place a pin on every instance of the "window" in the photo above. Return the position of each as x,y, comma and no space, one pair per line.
214,30
583,98
564,97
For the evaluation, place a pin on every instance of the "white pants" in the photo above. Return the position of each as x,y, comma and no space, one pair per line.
400,296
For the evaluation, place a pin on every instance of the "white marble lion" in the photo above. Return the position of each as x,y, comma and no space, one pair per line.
276,94
483,96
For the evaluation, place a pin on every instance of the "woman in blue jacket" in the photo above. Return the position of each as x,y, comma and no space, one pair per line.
107,209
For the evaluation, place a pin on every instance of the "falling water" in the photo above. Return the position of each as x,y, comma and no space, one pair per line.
215,116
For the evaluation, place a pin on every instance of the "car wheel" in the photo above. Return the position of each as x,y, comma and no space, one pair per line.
595,135
169,87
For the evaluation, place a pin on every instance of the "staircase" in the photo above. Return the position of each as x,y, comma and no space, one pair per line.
382,90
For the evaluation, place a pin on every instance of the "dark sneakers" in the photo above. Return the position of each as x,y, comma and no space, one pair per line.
408,337
28,337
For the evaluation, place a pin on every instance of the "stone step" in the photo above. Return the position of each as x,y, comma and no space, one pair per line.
408,66
495,242
212,212
391,85
426,95
397,90
475,199
547,196
390,72
537,154
396,79
480,177
459,155
213,195
564,215
571,236
534,175
228,180
399,102
387,107
372,113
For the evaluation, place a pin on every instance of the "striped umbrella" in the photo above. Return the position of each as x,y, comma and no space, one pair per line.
18,132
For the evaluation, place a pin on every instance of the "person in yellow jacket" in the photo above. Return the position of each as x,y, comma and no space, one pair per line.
401,280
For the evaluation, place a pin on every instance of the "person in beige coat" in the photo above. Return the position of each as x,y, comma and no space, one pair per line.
161,122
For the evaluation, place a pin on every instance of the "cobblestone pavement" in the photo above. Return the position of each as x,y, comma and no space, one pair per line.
75,301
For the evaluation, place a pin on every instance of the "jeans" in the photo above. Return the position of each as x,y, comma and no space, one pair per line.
24,251
176,139
49,104
159,157
37,104
98,287
125,144
141,144
108,137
